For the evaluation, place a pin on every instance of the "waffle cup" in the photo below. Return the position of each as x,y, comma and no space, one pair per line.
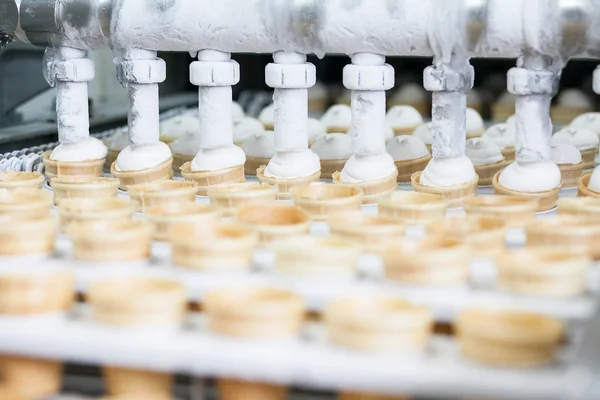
320,257
509,153
475,134
164,217
20,237
588,158
564,114
167,139
284,186
374,190
588,206
222,247
161,172
321,200
31,378
206,179
582,186
329,167
229,197
8,394
153,194
366,396
233,389
378,324
546,199
370,230
67,187
574,232
501,111
570,174
554,272
514,210
180,159
508,338
432,261
111,157
413,208
125,382
115,241
25,204
12,180
274,221
486,235
55,168
110,209
254,163
486,172
408,167
454,195
338,129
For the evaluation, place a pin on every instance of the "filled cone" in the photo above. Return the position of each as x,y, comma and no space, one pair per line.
179,160
589,206
67,187
274,220
20,237
125,381
570,174
55,168
153,194
329,167
370,230
253,164
546,200
508,338
373,190
92,210
164,217
515,211
406,168
509,153
229,197
454,195
233,389
588,158
12,180
25,204
161,172
31,378
284,186
486,172
321,200
413,208
206,179
582,187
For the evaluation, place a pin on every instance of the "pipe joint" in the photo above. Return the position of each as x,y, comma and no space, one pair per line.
522,81
444,78
214,74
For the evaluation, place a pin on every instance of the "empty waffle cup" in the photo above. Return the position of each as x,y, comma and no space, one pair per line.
329,167
563,115
570,174
552,272
274,220
321,199
318,257
370,230
55,168
69,187
161,172
546,199
164,217
222,247
154,194
132,384
508,338
374,190
514,210
253,164
91,210
12,180
574,232
406,168
582,187
431,261
378,324
206,179
25,204
20,237
589,206
454,195
413,208
31,378
115,241
486,235
284,186
486,172
229,197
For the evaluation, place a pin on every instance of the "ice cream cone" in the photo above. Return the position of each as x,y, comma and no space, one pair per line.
576,232
11,180
232,389
164,217
432,261
284,186
31,378
514,210
454,195
206,179
370,230
161,172
413,208
274,220
546,199
19,237
378,324
321,200
125,381
508,338
539,271
374,190
222,247
329,167
179,160
114,241
67,187
320,257
25,204
152,194
363,396
55,168
408,167
588,158
230,196
563,115
337,129
501,111
570,173
254,163
486,172
588,206
89,210
486,235
509,153
111,157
